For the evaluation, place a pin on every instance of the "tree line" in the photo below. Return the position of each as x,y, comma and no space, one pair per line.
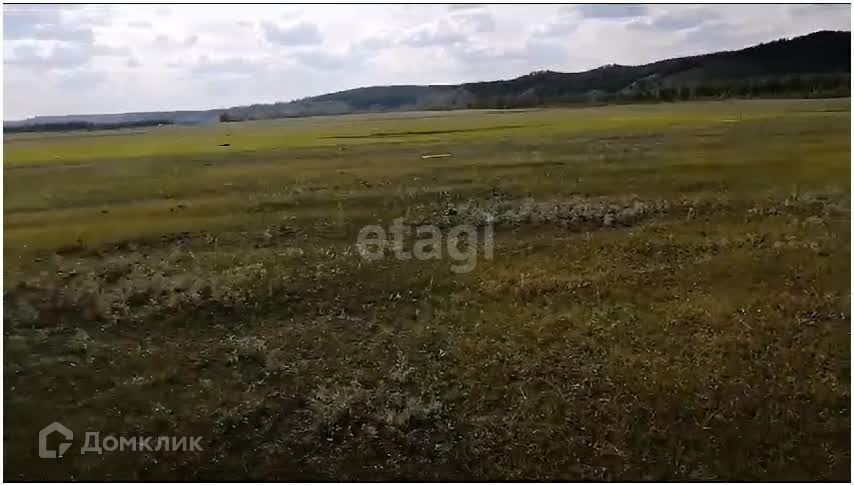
81,125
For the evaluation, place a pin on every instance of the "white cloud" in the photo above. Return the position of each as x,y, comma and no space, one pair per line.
109,50
328,61
438,33
302,33
239,66
677,19
42,22
478,21
82,80
88,59
52,58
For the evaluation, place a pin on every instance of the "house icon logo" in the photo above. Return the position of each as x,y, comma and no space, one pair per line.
54,427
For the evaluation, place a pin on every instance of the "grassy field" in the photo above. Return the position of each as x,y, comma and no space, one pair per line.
668,297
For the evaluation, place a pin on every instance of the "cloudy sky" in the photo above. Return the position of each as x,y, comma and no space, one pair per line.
104,59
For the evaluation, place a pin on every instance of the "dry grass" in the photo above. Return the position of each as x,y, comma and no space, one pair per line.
668,299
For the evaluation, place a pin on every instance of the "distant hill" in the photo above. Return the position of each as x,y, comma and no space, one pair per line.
814,65
817,64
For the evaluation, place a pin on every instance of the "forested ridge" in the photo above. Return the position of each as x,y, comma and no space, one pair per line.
814,65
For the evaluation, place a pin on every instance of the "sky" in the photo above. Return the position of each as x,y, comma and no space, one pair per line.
78,59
